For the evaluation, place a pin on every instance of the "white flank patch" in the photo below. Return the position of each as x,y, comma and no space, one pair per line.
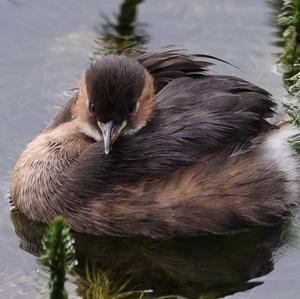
277,149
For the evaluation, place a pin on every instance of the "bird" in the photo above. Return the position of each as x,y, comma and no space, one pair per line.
156,146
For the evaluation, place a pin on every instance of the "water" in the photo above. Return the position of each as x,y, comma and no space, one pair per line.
45,45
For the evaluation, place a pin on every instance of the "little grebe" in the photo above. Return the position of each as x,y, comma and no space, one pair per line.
154,146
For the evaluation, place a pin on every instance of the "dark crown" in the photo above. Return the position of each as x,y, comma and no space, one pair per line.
114,84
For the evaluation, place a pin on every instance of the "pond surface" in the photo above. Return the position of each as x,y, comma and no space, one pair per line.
45,45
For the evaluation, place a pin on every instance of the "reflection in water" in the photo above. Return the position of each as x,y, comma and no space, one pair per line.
208,266
122,31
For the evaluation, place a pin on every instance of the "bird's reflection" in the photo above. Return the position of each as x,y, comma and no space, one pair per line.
208,266
122,30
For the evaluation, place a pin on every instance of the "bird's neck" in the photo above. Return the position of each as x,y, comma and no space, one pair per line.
146,104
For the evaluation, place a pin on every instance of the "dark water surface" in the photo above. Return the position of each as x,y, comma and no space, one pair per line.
44,47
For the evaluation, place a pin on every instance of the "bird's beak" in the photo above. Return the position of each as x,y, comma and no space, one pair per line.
110,133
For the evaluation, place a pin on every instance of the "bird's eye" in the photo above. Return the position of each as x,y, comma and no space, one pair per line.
132,108
92,108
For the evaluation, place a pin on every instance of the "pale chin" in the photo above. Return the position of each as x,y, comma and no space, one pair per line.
88,130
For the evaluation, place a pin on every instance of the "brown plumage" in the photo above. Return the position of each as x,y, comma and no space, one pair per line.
182,153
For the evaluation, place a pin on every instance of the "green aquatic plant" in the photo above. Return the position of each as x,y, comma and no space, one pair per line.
58,256
289,21
292,102
295,142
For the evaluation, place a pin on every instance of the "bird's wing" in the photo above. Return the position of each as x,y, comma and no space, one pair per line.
220,94
64,114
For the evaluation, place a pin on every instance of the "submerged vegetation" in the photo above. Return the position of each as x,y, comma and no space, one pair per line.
98,284
58,256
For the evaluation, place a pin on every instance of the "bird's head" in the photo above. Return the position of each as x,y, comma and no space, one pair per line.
116,97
